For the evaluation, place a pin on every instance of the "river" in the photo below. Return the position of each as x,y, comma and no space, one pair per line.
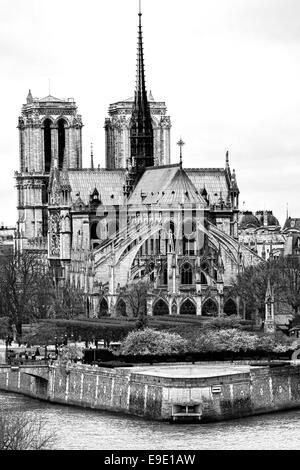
84,429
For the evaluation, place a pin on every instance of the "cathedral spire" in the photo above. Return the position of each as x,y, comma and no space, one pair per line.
140,91
141,130
92,157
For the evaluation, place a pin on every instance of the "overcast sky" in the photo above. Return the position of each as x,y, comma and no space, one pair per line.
228,70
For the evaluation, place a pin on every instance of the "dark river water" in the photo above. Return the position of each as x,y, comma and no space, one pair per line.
83,429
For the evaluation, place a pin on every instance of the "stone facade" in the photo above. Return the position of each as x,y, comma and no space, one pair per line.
49,137
117,133
134,391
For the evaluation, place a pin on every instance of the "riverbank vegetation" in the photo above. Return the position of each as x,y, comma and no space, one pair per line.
212,340
284,275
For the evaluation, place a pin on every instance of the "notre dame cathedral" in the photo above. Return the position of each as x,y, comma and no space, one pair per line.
140,218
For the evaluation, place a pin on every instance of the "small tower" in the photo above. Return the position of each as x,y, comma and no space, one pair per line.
92,157
269,324
234,191
29,98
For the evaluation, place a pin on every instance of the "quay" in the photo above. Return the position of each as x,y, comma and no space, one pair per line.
199,392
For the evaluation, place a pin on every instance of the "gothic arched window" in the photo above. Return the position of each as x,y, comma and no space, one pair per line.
103,310
61,143
186,274
121,309
160,308
164,274
47,145
230,307
188,308
189,236
210,308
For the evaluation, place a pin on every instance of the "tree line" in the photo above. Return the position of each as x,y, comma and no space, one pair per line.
28,292
284,276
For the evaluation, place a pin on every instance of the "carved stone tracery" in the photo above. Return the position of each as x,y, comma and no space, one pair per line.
54,231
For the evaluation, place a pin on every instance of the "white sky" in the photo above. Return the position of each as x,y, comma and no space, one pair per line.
228,70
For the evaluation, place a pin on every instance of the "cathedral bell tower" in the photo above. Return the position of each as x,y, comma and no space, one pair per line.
141,130
49,136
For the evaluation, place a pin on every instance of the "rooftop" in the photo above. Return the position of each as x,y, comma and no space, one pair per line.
108,183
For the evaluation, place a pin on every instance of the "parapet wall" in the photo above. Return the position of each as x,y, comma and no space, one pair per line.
260,390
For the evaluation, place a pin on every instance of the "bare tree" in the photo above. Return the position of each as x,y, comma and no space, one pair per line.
136,296
290,282
26,289
5,327
284,275
21,431
69,302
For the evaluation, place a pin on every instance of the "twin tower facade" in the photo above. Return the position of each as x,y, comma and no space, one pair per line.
50,136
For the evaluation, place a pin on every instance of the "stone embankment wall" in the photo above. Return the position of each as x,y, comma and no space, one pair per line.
261,390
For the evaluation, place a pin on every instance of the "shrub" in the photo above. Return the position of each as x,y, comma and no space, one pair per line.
149,341
224,322
71,353
236,340
225,340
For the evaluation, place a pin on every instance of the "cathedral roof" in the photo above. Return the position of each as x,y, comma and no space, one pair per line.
51,99
109,184
182,190
212,179
166,185
153,182
131,99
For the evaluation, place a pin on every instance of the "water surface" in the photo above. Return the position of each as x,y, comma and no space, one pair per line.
83,429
